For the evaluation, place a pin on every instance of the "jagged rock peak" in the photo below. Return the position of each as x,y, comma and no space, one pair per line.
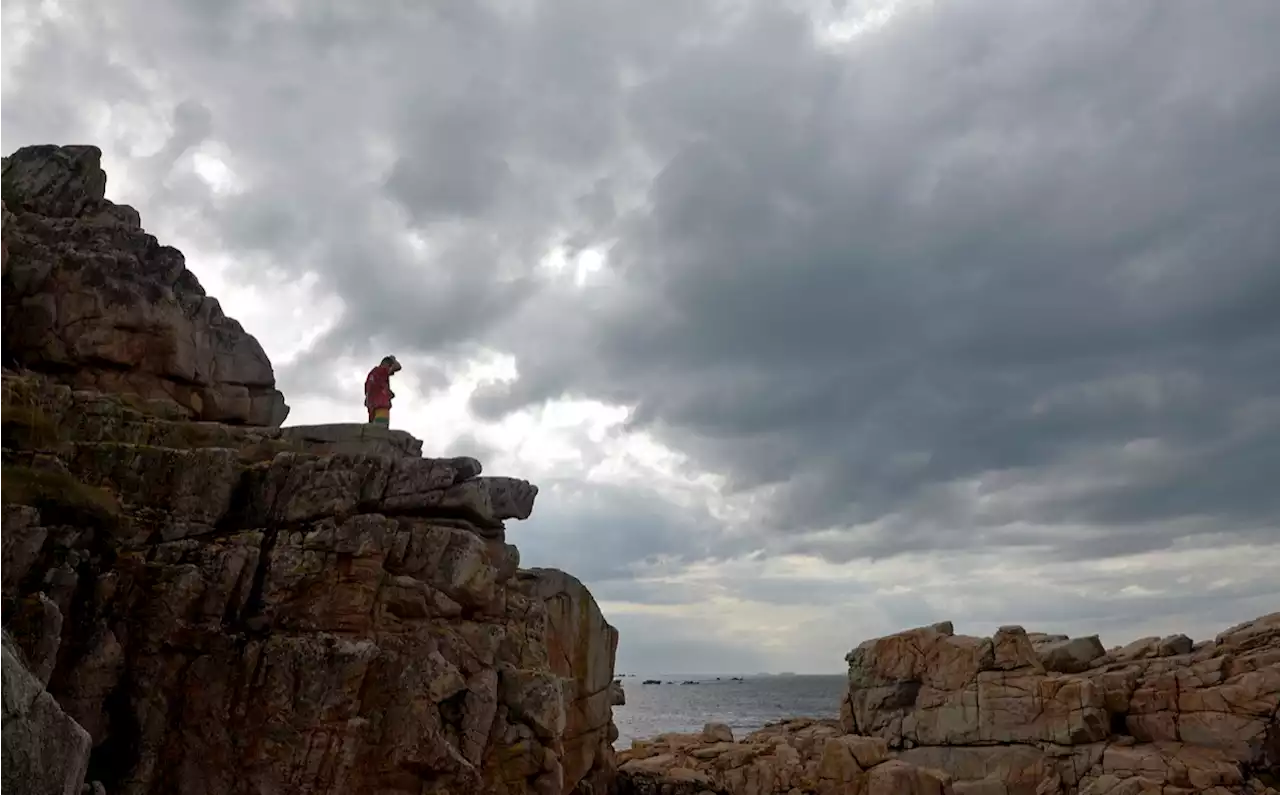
56,181
93,300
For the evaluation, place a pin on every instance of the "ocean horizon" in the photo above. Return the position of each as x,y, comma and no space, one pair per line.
744,702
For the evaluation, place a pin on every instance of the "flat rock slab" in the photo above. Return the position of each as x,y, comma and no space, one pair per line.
353,437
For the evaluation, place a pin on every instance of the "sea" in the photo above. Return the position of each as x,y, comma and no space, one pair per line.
684,703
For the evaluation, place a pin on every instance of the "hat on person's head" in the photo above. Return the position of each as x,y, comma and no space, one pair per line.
391,362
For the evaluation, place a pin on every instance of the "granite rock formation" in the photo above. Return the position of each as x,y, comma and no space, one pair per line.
224,610
929,711
797,757
202,602
369,439
1159,715
45,752
92,300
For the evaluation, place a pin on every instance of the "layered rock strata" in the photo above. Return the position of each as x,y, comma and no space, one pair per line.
201,601
364,438
94,301
224,613
236,617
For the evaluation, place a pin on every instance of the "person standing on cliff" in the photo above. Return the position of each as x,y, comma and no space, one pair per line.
377,391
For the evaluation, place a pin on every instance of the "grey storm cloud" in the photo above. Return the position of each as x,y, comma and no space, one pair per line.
604,533
993,240
992,274
654,645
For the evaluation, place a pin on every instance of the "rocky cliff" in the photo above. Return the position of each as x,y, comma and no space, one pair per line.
92,300
228,607
929,711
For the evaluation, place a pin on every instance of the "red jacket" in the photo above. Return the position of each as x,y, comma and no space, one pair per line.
377,388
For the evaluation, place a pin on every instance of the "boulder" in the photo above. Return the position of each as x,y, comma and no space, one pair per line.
925,687
1159,714
1071,656
717,733
45,752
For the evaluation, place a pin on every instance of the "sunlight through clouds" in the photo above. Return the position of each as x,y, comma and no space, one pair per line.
577,267
209,163
862,17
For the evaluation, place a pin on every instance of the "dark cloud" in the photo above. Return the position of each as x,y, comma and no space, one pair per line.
991,276
658,645
606,532
987,242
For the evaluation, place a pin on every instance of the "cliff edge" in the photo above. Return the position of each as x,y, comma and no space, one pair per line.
219,605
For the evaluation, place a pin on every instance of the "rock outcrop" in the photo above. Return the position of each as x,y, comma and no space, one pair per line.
798,757
45,752
204,602
224,610
1156,716
581,647
929,711
92,300
363,438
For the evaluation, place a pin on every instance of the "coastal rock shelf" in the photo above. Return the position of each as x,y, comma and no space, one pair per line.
990,716
361,438
797,757
199,601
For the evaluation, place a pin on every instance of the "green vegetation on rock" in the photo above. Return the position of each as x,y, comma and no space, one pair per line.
59,496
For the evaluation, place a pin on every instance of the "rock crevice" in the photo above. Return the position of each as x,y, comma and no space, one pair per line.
304,623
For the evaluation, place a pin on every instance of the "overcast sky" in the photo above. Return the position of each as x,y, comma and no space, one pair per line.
812,321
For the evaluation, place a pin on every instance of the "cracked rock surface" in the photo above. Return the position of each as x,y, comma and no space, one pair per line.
233,609
91,299
45,752
204,602
929,711
1002,715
